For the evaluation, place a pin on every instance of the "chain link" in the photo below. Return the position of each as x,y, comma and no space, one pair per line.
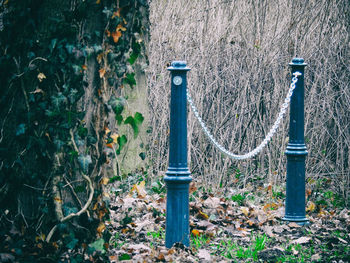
268,137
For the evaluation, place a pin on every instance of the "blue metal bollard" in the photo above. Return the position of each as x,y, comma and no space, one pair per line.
178,177
296,152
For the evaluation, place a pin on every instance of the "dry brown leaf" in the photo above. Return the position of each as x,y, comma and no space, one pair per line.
293,224
268,231
315,257
204,254
295,252
212,202
140,189
301,240
139,247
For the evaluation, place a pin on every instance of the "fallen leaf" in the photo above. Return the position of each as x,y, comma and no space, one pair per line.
315,257
268,231
295,252
245,210
293,224
202,215
301,240
140,189
311,206
204,254
161,257
212,202
195,232
139,247
342,240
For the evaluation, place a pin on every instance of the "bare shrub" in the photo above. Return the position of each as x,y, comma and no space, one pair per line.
239,53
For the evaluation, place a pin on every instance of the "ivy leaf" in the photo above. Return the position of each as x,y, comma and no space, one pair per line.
124,257
69,48
122,140
142,156
72,244
130,79
117,104
135,122
84,161
133,57
72,95
98,245
53,44
21,129
119,119
58,100
58,143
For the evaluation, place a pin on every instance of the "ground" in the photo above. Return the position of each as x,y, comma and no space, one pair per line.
242,225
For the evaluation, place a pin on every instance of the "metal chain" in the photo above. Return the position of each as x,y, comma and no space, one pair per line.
268,137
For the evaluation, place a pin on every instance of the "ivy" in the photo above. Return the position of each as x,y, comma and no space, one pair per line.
45,57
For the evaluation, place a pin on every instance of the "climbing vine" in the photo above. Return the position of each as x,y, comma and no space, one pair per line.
64,69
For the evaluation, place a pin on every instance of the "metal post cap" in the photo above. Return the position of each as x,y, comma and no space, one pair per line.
298,62
178,65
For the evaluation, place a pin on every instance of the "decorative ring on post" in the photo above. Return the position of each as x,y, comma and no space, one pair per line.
178,177
296,151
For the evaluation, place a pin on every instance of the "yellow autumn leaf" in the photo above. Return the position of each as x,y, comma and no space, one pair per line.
311,206
41,76
40,238
101,227
104,180
120,27
245,210
111,140
115,136
203,215
98,2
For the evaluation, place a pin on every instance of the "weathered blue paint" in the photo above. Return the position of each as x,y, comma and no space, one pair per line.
178,177
296,151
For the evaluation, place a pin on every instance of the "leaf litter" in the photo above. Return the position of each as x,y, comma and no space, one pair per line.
223,230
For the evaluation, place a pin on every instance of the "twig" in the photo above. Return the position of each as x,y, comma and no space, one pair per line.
73,192
84,209
22,85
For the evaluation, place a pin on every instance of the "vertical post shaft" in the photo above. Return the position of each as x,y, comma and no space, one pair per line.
296,151
178,177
